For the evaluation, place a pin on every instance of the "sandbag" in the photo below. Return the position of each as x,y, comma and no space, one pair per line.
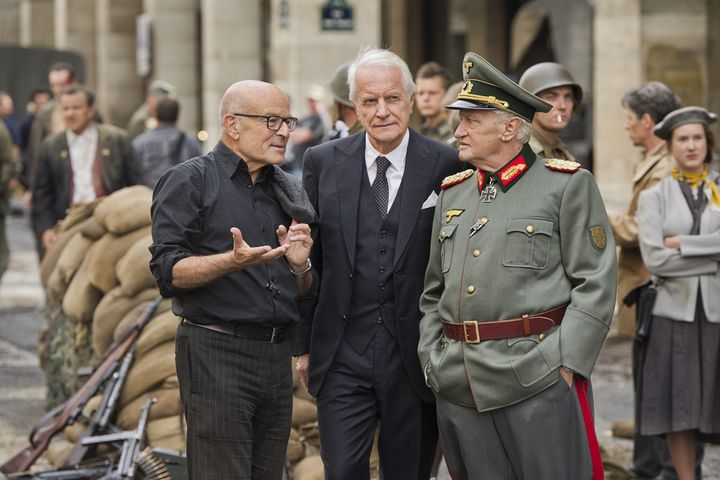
310,434
113,248
172,442
110,311
57,451
168,404
125,210
137,310
302,392
54,251
67,265
295,448
309,468
148,371
164,427
160,329
74,432
91,229
303,412
81,297
76,214
133,270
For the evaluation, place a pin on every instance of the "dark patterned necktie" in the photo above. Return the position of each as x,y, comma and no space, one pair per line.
380,188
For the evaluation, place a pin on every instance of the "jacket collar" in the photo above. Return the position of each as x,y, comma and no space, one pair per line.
508,175
649,161
230,162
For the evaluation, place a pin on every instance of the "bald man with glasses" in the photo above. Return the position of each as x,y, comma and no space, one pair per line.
231,246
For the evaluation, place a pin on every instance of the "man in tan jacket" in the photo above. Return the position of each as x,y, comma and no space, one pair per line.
644,107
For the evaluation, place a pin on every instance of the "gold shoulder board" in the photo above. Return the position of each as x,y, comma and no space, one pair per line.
456,178
559,165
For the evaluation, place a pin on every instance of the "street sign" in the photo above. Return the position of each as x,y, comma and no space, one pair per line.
337,15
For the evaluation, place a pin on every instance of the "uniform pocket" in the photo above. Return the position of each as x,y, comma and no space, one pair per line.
527,242
527,361
447,242
437,354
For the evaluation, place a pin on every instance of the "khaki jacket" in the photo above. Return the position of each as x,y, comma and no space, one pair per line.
655,166
545,243
542,148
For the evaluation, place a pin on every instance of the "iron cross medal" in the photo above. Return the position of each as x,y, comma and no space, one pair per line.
489,192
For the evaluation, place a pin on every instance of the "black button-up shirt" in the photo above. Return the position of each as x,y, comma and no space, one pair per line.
194,206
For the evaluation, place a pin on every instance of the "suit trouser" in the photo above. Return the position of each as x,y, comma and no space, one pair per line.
651,456
4,250
543,437
361,389
237,396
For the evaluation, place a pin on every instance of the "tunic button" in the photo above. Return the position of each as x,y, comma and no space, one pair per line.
476,253
470,289
530,229
442,235
541,337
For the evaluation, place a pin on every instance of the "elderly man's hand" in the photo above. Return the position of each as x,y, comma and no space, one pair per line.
246,256
298,242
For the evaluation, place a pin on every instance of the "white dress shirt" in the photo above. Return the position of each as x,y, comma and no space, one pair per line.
396,169
83,149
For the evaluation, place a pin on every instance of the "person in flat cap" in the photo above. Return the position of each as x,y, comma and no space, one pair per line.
552,83
345,119
518,298
144,118
678,226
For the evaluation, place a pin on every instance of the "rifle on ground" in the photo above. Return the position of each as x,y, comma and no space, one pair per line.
49,426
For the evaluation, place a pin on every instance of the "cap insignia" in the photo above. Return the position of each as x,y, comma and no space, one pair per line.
456,178
562,165
467,66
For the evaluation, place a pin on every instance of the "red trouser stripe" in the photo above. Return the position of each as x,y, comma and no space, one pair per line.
581,386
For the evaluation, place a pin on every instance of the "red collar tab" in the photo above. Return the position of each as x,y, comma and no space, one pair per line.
508,175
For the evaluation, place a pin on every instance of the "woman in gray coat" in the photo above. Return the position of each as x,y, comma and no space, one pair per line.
679,230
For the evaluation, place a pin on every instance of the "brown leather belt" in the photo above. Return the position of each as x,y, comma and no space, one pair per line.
475,332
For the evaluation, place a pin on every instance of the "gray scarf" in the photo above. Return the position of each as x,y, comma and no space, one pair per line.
292,197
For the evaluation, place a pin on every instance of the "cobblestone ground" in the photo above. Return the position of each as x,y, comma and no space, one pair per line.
22,384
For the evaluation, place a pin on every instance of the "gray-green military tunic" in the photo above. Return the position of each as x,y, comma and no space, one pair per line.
544,242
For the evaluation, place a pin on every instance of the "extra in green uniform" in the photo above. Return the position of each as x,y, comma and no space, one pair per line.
540,240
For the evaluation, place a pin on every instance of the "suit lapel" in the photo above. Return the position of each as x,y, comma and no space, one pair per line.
419,168
349,168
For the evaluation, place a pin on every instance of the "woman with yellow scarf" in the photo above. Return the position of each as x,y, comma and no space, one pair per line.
679,231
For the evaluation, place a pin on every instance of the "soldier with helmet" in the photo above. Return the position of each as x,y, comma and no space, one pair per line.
518,296
345,119
552,83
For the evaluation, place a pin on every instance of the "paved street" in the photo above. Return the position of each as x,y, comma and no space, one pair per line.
22,383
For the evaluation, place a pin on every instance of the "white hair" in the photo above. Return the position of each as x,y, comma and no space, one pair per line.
525,130
376,57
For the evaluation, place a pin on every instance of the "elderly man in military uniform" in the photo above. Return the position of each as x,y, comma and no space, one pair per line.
552,83
518,298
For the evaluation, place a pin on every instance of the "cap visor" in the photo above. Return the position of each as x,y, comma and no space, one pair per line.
466,105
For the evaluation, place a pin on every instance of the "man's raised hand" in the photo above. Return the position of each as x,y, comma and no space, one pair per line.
246,256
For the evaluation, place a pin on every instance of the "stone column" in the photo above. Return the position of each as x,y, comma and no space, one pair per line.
75,30
302,54
36,23
175,56
618,68
10,22
713,60
487,31
119,88
231,51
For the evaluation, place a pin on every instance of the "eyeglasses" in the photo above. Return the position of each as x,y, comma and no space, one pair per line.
274,122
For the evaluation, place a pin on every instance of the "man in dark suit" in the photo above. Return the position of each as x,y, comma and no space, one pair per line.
375,194
84,162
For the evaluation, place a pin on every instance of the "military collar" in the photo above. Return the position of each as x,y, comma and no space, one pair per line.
232,162
508,175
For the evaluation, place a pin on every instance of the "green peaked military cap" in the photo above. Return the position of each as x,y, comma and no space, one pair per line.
487,88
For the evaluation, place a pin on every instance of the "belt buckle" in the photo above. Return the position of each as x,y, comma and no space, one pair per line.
474,324
277,335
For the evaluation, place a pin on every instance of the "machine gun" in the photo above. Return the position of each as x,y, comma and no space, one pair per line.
69,411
